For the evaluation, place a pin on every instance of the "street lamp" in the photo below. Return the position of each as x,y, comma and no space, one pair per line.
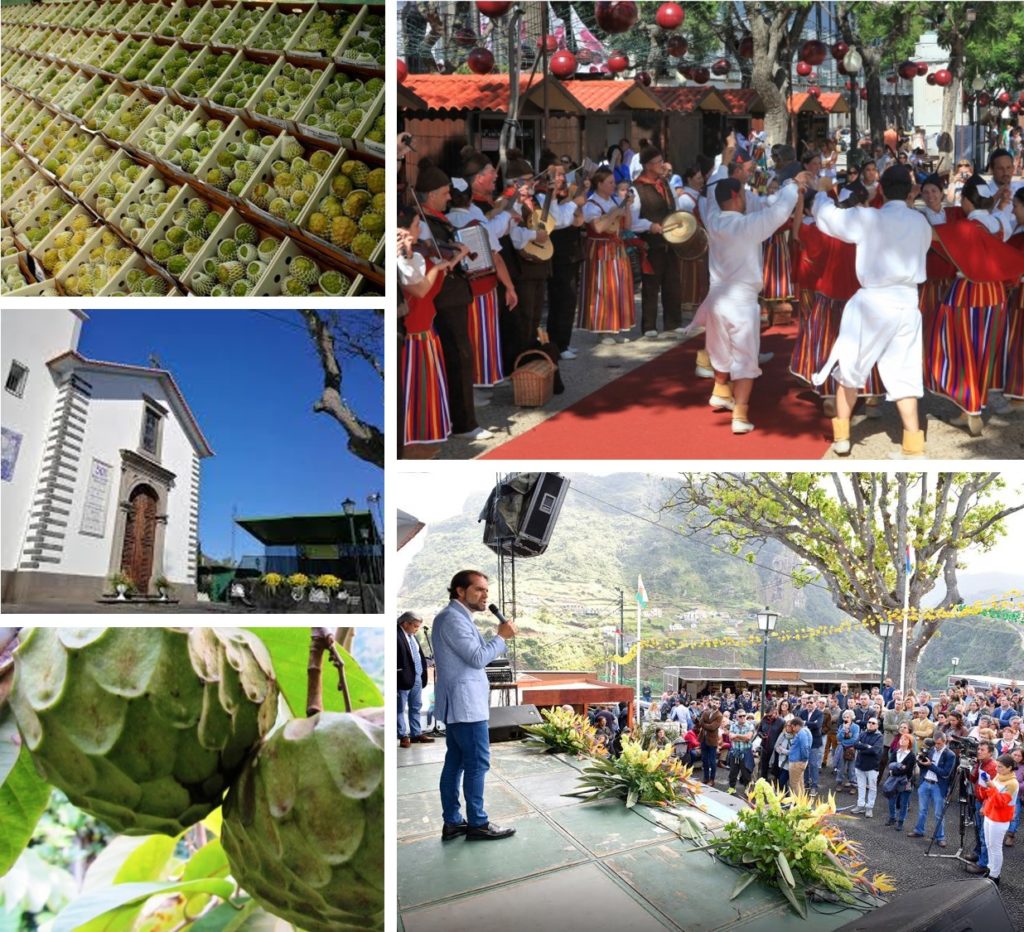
349,507
885,629
766,622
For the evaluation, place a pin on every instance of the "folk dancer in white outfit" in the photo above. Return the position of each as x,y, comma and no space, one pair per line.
731,312
881,323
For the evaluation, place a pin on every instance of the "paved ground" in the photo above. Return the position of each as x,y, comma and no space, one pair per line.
904,858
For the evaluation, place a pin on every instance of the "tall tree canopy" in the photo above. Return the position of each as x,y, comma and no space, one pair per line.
851,531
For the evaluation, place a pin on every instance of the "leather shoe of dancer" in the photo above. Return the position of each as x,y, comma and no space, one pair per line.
453,830
488,832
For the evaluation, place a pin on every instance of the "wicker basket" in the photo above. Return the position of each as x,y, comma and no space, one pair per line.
533,382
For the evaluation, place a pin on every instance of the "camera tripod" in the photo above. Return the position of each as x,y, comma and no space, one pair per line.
959,789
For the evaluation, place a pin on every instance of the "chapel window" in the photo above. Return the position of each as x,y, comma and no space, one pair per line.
17,376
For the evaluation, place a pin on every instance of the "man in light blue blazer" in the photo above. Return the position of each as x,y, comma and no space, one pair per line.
462,701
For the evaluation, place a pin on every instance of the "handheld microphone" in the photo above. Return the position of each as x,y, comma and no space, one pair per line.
496,612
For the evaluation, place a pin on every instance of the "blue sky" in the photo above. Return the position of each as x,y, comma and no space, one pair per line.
251,379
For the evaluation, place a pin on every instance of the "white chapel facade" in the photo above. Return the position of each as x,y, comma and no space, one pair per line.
100,470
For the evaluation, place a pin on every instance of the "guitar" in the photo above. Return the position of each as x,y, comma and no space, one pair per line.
541,252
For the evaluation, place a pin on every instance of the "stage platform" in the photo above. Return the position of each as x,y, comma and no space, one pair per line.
571,864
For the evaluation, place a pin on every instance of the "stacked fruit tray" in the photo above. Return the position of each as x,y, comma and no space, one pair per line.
211,147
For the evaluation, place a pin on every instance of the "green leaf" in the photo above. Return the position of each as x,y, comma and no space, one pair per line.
23,797
289,650
208,861
797,902
148,861
784,869
745,881
224,918
106,909
10,742
631,798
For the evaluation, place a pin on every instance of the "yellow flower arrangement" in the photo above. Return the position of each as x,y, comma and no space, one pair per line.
566,732
272,580
327,581
298,580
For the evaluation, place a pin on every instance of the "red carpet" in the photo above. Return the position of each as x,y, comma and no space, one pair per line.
660,411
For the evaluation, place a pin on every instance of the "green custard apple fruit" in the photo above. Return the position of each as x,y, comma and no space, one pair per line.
144,728
304,823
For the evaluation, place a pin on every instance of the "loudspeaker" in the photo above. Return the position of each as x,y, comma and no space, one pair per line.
507,720
520,513
961,906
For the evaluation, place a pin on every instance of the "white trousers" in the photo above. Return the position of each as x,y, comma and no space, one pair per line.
732,316
995,832
867,783
883,326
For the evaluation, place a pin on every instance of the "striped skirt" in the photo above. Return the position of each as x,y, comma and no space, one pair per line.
778,276
930,295
426,389
696,280
1013,383
816,334
485,338
965,353
606,302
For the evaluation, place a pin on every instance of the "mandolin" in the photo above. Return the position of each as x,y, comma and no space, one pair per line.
541,252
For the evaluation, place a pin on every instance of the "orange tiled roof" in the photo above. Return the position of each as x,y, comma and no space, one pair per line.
463,91
803,102
742,100
833,102
602,95
681,99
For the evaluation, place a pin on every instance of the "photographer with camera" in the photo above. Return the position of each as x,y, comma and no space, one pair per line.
937,764
987,765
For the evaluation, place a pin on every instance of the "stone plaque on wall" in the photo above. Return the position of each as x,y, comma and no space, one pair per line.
11,445
94,508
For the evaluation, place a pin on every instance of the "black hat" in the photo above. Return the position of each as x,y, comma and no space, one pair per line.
935,180
788,172
649,153
517,166
473,162
430,178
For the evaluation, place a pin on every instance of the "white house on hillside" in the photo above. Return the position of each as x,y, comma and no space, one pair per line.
100,469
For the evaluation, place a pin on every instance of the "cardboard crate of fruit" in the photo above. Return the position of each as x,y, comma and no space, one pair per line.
234,259
295,272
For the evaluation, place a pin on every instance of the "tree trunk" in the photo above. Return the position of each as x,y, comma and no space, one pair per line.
892,658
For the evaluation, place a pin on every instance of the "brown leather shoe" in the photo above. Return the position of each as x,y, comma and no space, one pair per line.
422,739
404,742
1008,841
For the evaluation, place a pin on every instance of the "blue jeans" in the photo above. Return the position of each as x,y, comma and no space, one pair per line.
1015,823
980,848
898,805
410,699
709,758
813,767
467,760
928,793
845,768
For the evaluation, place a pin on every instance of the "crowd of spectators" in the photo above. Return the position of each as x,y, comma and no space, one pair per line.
865,743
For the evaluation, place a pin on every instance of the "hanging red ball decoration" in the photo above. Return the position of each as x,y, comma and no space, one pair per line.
746,47
922,69
670,16
480,61
720,67
492,10
403,71
615,17
594,69
839,51
841,68
700,75
943,77
931,80
563,64
465,37
814,91
863,93
677,46
984,99
813,52
1014,109
550,42
907,70
812,78
1003,98
617,62
803,69
849,85
642,77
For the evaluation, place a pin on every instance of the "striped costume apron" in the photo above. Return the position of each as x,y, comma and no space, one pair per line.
1013,367
964,355
815,338
485,337
696,277
426,389
778,276
607,304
